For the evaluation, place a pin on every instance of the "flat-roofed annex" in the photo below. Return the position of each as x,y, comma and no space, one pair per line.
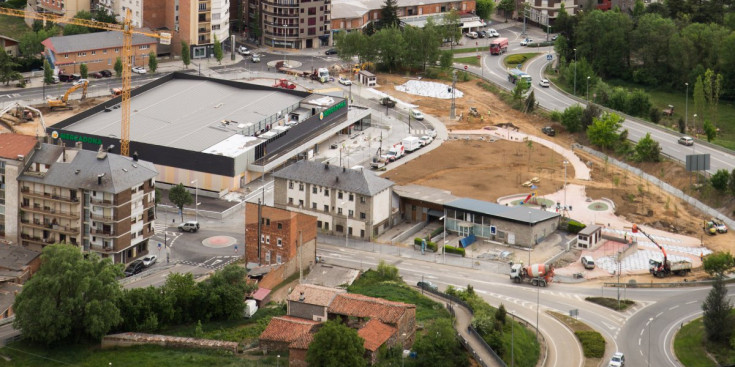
188,114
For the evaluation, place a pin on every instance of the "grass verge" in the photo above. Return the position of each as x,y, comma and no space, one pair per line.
13,27
611,303
693,350
591,346
515,59
468,50
469,60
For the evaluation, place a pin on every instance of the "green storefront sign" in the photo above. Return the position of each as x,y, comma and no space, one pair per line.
83,139
331,110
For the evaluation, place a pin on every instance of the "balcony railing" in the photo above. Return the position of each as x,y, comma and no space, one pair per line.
49,226
102,232
102,218
279,14
36,208
104,202
26,191
281,3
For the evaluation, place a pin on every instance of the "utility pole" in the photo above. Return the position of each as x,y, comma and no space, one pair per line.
452,111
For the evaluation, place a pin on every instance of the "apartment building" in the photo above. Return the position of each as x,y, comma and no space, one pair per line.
279,236
351,15
195,22
14,152
98,50
101,202
67,8
544,12
294,24
346,202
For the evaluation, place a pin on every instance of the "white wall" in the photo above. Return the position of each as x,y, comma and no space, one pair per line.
381,206
221,18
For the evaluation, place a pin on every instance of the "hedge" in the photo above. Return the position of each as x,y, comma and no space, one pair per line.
515,59
435,232
593,343
574,227
429,245
454,250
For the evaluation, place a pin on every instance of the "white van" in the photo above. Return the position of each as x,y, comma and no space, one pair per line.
588,262
251,307
416,114
472,35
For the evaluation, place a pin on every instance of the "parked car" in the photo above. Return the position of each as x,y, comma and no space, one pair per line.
588,262
686,140
64,78
344,81
555,37
96,74
242,50
331,51
416,114
80,81
149,260
472,35
617,360
255,58
426,140
139,70
526,42
388,101
548,130
76,77
482,34
135,267
106,73
492,33
427,285
190,226
544,83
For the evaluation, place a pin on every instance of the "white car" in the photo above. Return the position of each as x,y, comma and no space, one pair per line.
544,83
344,81
255,58
492,33
526,41
242,50
149,260
617,360
426,140
139,70
80,81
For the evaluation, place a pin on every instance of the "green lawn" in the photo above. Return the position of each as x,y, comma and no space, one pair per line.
515,59
470,60
13,27
691,349
22,355
470,50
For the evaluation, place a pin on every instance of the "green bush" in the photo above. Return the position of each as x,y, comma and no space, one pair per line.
555,116
436,232
574,227
515,59
593,344
454,250
429,245
417,241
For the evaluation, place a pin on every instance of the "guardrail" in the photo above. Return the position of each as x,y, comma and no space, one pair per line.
684,283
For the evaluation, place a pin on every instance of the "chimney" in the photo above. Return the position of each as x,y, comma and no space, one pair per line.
301,297
135,156
99,178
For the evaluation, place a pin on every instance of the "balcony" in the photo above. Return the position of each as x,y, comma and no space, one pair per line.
39,240
204,29
103,202
102,218
26,191
282,15
101,232
36,208
276,36
49,226
280,3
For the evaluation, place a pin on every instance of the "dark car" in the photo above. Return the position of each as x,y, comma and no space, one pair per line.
65,78
548,130
135,267
106,73
482,34
331,51
427,285
96,74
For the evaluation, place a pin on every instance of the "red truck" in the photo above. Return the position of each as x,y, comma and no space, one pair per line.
499,46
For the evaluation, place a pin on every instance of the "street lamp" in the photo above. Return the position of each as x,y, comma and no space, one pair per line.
588,89
196,200
686,110
575,71
283,24
444,237
650,326
278,359
565,183
695,129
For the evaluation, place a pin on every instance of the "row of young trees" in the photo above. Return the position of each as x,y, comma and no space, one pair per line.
76,296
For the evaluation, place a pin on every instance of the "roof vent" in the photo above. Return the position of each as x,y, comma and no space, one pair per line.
301,297
109,148
76,172
21,157
99,178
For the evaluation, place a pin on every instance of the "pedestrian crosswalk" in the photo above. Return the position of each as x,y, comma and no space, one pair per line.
159,227
214,263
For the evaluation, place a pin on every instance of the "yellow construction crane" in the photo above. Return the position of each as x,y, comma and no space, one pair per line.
127,50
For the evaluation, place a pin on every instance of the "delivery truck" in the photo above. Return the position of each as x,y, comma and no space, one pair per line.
411,143
499,46
536,274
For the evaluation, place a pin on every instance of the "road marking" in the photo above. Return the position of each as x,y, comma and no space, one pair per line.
672,308
690,302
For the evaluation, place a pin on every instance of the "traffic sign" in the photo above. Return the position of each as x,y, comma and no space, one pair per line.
159,245
479,57
549,57
465,67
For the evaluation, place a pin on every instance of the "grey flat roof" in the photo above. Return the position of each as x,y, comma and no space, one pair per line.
424,193
360,181
94,41
187,114
590,229
522,214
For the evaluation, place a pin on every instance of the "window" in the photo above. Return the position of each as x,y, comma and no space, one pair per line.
318,224
144,47
312,11
279,242
278,258
262,238
352,197
268,240
362,200
66,56
326,208
280,225
202,6
117,50
339,195
351,213
268,257
290,185
301,203
326,192
313,190
313,206
290,201
81,54
339,210
301,187
94,52
362,215
267,221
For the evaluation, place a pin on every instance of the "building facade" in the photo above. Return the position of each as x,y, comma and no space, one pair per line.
195,22
67,8
97,201
99,51
346,202
294,24
544,12
279,236
348,15
15,151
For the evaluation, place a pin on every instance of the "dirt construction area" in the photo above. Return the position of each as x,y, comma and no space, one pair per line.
486,167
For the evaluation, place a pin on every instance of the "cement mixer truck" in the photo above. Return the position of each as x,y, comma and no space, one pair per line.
537,274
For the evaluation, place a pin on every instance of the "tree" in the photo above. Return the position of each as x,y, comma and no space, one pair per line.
439,347
530,103
185,56
84,70
647,150
72,29
7,68
48,73
451,30
712,89
223,293
699,99
519,92
719,180
718,323
73,296
718,263
731,182
507,6
484,8
590,113
650,44
422,44
118,67
709,130
152,62
571,118
336,345
255,26
389,15
30,42
638,103
603,38
390,45
501,314
217,49
180,196
604,131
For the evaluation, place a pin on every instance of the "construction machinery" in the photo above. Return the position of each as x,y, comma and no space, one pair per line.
284,83
62,101
23,113
537,274
474,112
127,52
661,269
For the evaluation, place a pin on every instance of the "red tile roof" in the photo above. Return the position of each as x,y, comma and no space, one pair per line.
261,293
12,145
358,305
375,334
287,329
303,341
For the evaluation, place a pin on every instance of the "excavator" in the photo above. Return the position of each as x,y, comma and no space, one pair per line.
661,269
61,102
